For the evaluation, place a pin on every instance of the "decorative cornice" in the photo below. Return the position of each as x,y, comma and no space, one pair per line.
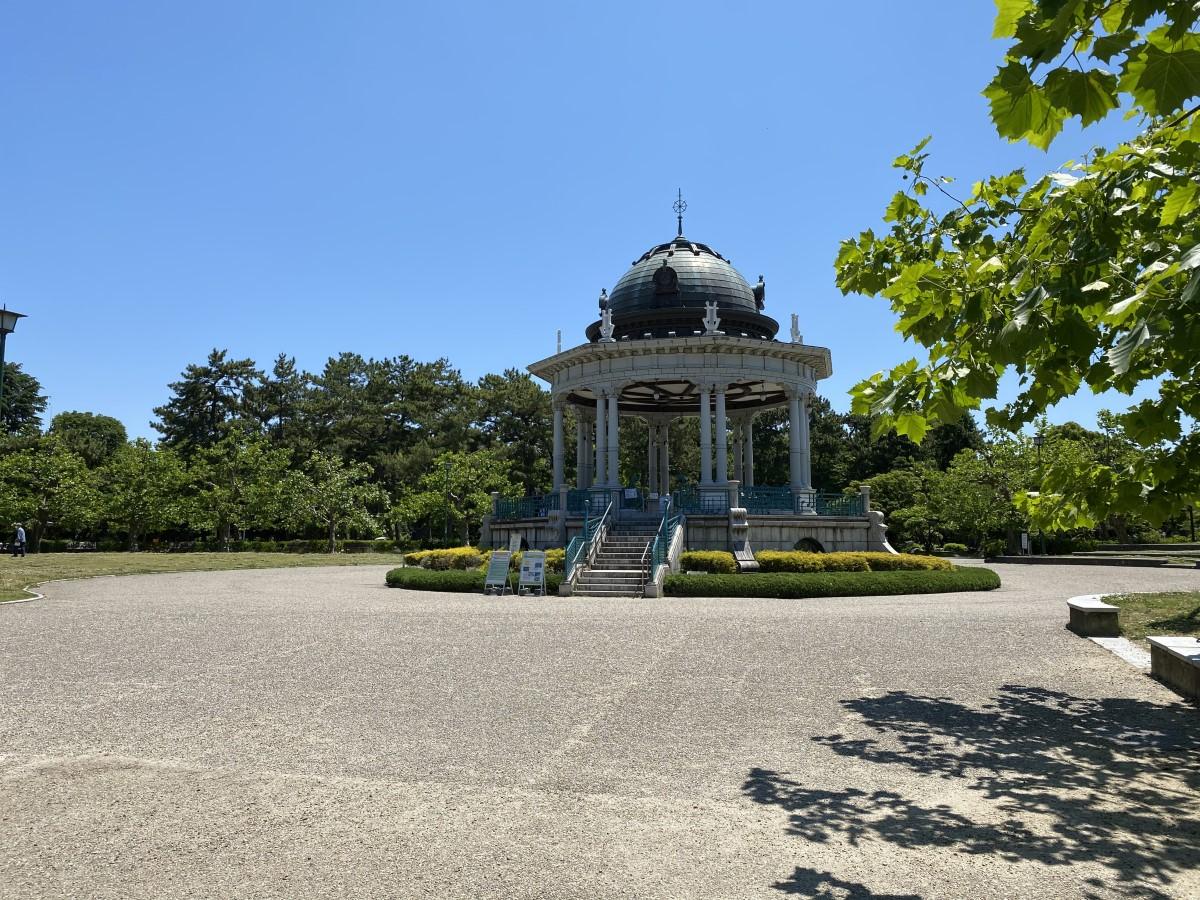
818,358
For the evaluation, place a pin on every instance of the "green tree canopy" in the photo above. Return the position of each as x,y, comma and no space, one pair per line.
142,490
208,402
23,402
1085,277
93,437
46,484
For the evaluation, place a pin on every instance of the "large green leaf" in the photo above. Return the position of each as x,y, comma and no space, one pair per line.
1022,109
1091,95
1179,202
1120,355
1163,75
1008,13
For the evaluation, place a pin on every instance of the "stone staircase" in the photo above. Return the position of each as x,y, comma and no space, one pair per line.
617,571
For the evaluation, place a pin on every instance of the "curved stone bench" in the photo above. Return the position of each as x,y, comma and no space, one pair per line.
1092,617
1175,661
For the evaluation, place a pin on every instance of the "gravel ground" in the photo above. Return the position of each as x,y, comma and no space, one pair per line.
310,733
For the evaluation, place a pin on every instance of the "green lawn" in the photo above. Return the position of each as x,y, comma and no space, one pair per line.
1175,612
16,574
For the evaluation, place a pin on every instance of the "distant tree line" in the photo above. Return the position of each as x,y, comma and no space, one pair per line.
410,451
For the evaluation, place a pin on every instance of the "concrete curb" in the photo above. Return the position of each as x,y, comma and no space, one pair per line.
1118,646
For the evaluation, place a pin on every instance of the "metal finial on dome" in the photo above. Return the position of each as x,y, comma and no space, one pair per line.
680,207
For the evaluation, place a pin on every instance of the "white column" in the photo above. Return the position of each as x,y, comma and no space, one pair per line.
589,452
614,422
705,437
794,451
805,457
601,473
721,476
558,445
664,459
651,457
739,458
580,450
748,459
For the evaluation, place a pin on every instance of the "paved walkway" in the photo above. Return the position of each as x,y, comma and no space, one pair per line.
311,733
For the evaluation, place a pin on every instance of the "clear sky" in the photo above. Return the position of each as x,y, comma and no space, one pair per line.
453,179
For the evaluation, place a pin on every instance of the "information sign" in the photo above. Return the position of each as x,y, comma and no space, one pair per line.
533,572
497,572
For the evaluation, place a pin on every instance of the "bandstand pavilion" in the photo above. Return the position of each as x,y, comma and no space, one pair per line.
684,334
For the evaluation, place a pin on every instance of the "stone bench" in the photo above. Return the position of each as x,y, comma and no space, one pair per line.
1092,617
1175,661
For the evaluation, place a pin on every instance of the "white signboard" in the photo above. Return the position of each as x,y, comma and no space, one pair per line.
533,571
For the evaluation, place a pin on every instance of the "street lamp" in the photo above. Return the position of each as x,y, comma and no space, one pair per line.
1038,440
8,324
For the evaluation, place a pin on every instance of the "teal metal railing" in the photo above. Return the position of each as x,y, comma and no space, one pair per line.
766,500
656,552
580,547
701,501
840,505
535,507
577,497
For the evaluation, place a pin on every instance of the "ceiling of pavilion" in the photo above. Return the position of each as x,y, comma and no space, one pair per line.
683,397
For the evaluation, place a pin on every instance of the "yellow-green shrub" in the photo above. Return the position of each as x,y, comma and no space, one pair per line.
892,562
451,558
799,561
718,562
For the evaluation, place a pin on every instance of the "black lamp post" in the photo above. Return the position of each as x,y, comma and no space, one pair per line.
8,324
1038,440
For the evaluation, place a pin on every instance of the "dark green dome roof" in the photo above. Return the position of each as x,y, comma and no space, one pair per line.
703,275
666,290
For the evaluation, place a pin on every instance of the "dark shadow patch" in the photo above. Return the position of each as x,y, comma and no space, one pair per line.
1106,781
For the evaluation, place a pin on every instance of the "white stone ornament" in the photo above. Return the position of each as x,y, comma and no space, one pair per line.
797,337
711,319
606,327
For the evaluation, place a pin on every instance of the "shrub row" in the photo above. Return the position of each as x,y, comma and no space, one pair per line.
721,562
473,558
798,561
450,558
460,581
295,546
717,562
832,584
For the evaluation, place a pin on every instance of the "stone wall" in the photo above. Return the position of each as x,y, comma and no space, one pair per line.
834,534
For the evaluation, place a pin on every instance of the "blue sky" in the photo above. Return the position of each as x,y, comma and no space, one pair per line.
453,179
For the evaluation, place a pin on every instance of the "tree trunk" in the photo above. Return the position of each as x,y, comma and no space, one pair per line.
332,535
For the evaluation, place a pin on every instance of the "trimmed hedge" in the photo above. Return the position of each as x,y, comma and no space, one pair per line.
799,561
718,562
832,584
460,581
453,558
473,558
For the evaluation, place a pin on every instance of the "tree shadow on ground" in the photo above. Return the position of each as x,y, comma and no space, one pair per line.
1184,623
1068,780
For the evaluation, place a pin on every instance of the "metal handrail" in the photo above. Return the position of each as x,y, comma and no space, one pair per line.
651,551
582,545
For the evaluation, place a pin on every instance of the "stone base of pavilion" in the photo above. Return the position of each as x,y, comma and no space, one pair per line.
832,524
832,534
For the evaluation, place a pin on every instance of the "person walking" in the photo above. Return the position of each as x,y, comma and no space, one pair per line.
19,543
